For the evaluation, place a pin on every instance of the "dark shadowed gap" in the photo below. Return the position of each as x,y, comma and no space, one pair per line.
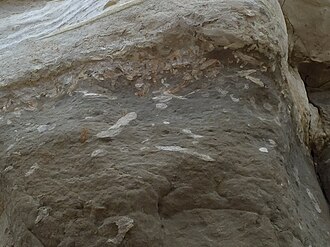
316,77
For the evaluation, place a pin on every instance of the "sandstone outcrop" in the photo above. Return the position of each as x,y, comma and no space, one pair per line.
161,123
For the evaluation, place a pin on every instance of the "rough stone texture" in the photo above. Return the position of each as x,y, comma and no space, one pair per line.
147,123
309,40
308,23
320,97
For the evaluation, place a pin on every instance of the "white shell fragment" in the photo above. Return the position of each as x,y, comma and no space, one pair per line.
46,127
117,128
32,170
255,80
190,134
263,150
161,106
234,99
185,151
98,153
314,201
162,98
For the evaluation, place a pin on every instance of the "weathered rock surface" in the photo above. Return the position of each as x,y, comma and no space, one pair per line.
309,41
147,123
308,23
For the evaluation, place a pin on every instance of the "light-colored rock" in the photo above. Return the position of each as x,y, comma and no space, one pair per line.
45,48
308,23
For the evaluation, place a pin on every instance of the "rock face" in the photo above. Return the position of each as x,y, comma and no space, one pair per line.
147,123
308,23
